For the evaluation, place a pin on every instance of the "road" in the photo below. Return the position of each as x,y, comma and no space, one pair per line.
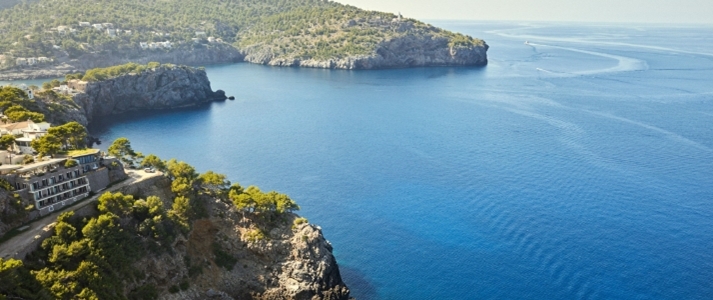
18,243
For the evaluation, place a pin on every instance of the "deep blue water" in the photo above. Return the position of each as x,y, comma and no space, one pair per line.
579,166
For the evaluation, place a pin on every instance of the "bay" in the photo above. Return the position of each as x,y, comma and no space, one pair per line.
576,166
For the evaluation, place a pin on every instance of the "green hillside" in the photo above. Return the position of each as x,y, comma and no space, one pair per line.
291,29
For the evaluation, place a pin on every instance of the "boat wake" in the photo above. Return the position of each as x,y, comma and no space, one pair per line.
625,64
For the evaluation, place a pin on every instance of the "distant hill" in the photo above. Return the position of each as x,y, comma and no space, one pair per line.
277,32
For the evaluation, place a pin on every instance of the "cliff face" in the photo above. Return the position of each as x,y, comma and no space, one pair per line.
290,262
12,213
402,51
160,88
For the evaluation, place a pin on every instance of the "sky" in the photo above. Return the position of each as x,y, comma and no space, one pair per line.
613,11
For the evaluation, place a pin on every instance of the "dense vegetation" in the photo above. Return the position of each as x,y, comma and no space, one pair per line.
91,258
99,74
47,105
16,106
290,29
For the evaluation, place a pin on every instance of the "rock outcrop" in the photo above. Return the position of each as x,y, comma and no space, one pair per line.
12,212
164,87
292,261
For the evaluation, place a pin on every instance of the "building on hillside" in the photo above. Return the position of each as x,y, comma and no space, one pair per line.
43,59
211,39
27,90
200,33
84,24
111,32
62,89
31,61
88,159
76,84
25,133
98,26
108,25
62,29
50,185
143,45
127,32
21,61
14,128
23,145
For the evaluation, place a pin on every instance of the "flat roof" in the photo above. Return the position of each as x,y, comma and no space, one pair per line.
34,166
9,167
82,152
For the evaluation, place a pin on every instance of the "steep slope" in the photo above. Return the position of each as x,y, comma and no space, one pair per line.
150,88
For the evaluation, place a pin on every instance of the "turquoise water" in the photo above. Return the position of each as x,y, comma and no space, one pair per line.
578,166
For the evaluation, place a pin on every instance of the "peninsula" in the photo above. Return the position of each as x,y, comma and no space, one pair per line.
100,92
76,35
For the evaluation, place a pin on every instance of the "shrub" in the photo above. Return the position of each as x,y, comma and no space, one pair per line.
145,292
222,258
173,289
298,221
70,163
254,235
184,285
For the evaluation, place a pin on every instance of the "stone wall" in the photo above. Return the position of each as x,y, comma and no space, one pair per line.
98,179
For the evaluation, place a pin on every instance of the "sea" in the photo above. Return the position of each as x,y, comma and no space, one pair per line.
578,164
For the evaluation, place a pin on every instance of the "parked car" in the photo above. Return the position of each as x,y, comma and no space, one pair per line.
149,170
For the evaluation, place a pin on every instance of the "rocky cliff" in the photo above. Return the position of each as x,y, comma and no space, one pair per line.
159,88
411,50
12,212
292,261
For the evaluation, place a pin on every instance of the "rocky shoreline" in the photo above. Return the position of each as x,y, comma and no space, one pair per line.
405,52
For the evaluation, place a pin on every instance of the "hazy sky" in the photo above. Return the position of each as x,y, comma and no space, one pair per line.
646,11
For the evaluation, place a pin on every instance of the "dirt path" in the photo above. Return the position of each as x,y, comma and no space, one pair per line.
18,243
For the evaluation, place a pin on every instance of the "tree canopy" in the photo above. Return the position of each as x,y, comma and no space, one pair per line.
121,149
68,136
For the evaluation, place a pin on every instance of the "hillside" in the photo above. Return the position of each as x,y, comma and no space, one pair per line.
180,236
85,34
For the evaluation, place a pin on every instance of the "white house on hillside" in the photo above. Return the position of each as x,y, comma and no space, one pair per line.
29,131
